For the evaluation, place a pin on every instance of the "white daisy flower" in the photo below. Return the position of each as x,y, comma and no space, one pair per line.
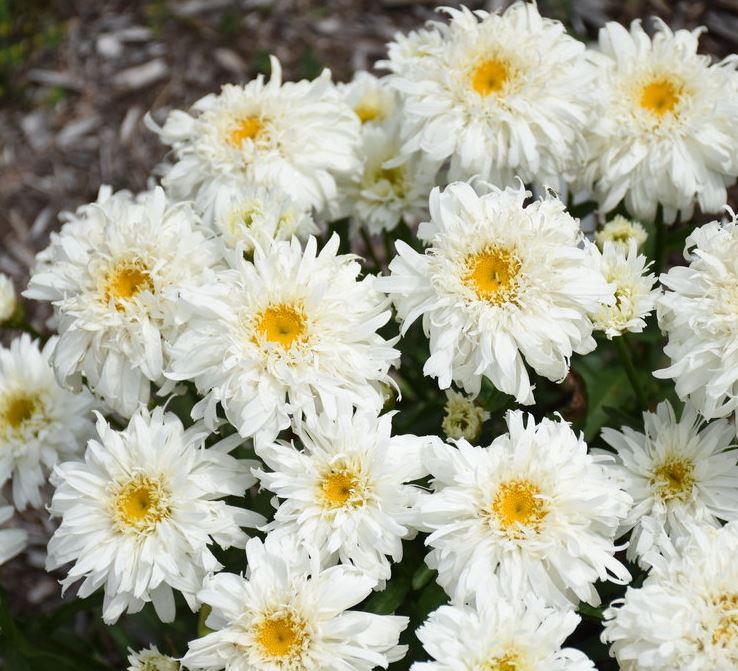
112,274
664,122
12,541
409,50
150,659
291,333
8,300
698,314
685,616
40,423
501,285
463,418
347,491
500,635
288,614
635,295
620,231
139,513
294,136
254,215
502,95
370,97
678,473
533,508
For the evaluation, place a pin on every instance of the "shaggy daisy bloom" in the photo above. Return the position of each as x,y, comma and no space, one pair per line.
295,137
112,274
252,215
685,616
150,659
346,491
371,99
664,127
533,508
699,313
40,423
620,231
500,635
679,472
635,295
501,285
289,614
8,301
291,333
12,541
501,95
138,515
463,418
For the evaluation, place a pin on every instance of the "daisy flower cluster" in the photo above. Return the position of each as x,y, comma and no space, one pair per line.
352,385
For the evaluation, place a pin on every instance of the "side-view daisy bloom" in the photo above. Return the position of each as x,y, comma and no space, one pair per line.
533,508
346,492
40,423
150,659
679,473
501,284
293,333
288,613
112,274
138,514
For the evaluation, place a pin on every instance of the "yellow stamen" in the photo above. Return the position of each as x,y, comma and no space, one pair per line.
517,504
283,324
246,129
280,636
140,504
660,97
368,110
490,76
674,479
126,280
339,488
18,409
492,274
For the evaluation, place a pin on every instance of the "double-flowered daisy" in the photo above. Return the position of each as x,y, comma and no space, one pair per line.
664,122
371,99
138,514
501,95
500,634
502,284
679,472
699,313
533,508
12,541
288,613
150,659
293,333
620,231
635,295
296,137
40,423
112,274
346,491
685,616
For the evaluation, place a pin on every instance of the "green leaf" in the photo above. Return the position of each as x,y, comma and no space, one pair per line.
422,577
388,601
607,386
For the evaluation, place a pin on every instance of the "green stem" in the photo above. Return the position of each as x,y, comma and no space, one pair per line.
370,248
630,371
659,242
389,247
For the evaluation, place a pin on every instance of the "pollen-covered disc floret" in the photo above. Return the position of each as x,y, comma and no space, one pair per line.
533,508
291,334
635,295
346,491
294,136
501,95
685,616
12,541
40,423
500,634
138,515
112,274
150,659
501,284
699,313
679,473
664,124
289,614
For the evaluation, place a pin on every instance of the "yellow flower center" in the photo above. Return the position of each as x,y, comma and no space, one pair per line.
726,632
674,479
368,110
508,662
140,504
340,488
17,409
126,280
282,324
490,76
395,177
660,96
245,129
492,274
280,636
517,505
